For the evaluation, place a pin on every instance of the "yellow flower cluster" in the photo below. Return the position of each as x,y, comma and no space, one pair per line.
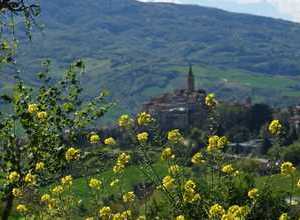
236,212
210,100
216,211
141,217
190,194
174,169
197,159
168,182
58,190
122,160
126,215
17,192
275,127
175,136
94,138
21,208
216,143
128,197
167,154
30,179
228,169
144,118
42,115
40,166
105,212
125,121
110,141
72,154
142,137
32,108
46,199
180,217
95,183
287,168
13,177
253,193
66,180
298,183
284,216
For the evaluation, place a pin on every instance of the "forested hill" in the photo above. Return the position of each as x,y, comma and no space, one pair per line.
137,50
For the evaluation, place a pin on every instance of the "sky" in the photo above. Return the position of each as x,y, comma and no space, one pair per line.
285,9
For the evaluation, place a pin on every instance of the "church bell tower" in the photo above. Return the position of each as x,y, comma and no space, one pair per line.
191,80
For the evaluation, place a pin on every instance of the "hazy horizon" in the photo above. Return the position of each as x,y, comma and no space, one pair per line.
284,9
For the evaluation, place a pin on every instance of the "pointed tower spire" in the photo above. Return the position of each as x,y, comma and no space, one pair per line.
191,80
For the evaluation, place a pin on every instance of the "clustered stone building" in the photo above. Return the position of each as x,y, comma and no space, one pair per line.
182,109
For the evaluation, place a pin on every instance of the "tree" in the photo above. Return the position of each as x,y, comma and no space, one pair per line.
42,130
260,114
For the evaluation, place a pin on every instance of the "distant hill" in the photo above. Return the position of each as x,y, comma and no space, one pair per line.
137,50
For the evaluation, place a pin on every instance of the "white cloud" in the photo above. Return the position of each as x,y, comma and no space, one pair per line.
290,8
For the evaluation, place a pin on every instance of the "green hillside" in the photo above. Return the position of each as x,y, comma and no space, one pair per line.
137,50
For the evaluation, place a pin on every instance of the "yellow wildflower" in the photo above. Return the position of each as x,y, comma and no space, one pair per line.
123,158
287,168
58,189
126,214
142,137
125,121
104,212
118,168
222,142
228,169
66,180
39,166
210,100
168,182
141,217
167,154
174,169
284,216
233,209
114,182
190,184
275,127
45,198
243,211
191,196
144,118
298,183
30,179
95,183
32,108
128,197
110,141
72,154
89,218
13,176
17,192
197,159
175,136
253,193
228,216
21,208
42,115
94,138
216,211
180,217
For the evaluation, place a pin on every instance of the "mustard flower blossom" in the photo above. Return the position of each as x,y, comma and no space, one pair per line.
144,118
